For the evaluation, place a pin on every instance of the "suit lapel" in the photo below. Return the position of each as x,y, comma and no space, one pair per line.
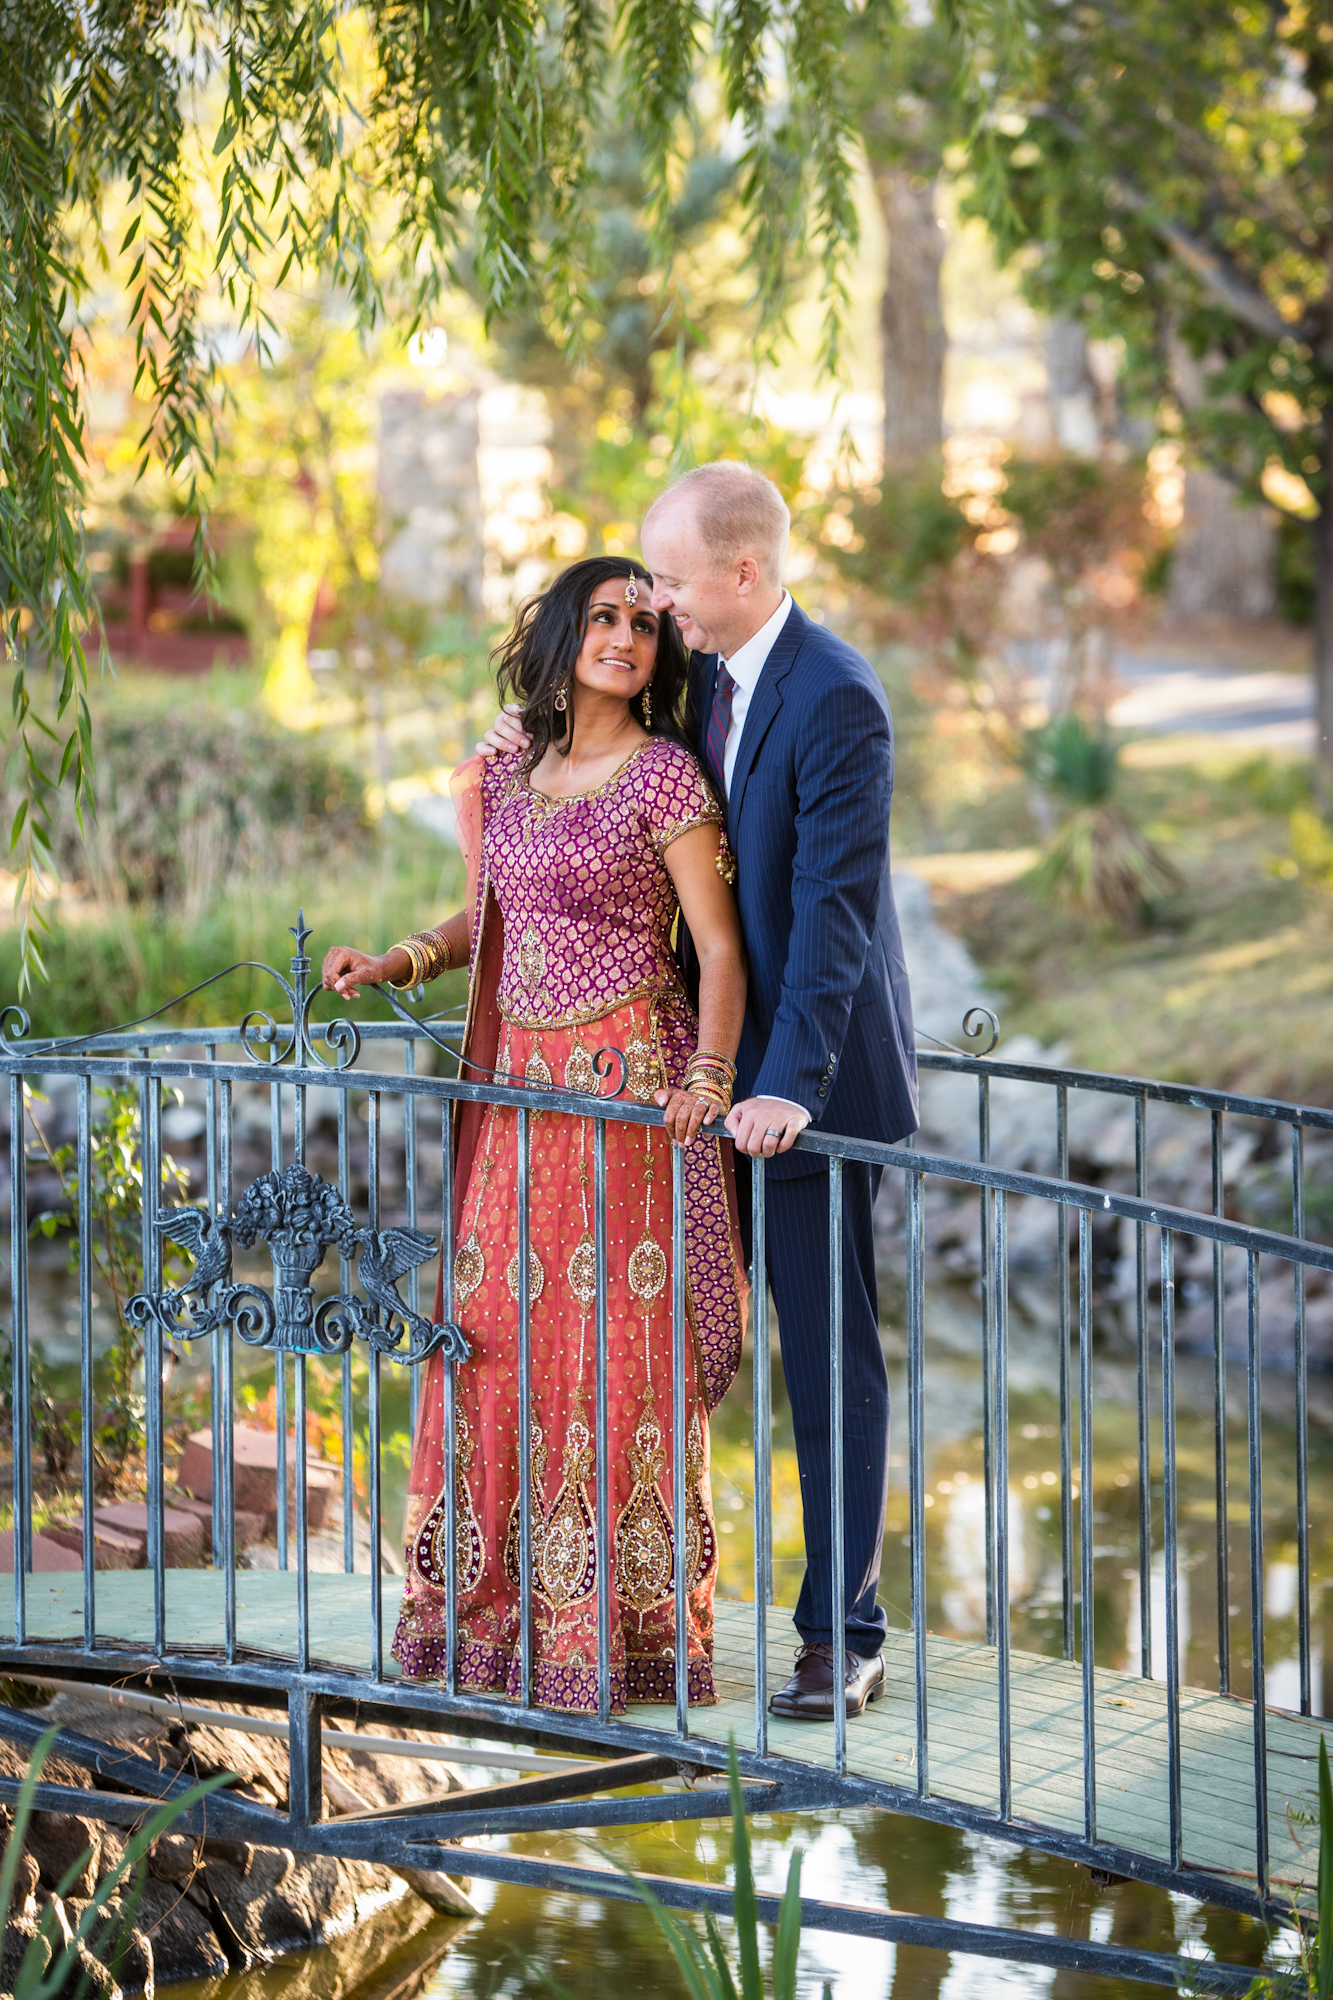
764,705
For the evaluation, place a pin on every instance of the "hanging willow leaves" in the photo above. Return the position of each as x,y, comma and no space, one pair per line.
201,155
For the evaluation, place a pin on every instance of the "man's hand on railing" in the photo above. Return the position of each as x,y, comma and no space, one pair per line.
505,735
766,1125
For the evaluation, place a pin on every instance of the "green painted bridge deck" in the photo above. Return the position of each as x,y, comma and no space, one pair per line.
1217,1739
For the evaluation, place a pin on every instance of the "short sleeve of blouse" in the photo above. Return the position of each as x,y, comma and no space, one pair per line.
497,780
676,795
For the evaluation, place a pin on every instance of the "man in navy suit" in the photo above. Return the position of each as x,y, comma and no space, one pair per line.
795,730
794,727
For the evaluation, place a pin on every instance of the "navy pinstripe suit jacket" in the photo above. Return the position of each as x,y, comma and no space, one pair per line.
828,1020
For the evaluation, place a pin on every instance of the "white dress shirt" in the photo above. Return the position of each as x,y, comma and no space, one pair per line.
745,666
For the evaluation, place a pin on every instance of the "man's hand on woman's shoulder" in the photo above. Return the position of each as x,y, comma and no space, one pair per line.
505,736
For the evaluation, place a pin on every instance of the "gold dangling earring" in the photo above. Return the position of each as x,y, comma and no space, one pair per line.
561,701
648,706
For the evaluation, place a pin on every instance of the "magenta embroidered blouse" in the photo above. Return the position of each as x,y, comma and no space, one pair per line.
582,888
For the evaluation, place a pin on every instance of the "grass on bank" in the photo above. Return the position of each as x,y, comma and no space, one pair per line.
1230,985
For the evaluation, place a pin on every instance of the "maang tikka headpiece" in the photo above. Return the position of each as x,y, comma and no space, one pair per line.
631,592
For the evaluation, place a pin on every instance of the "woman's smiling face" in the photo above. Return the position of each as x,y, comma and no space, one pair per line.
619,649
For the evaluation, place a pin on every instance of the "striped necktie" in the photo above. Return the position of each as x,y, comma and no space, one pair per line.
719,723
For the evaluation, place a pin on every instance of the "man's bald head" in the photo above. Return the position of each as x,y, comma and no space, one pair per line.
736,513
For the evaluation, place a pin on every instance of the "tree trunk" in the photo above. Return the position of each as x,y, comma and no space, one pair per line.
1322,530
912,318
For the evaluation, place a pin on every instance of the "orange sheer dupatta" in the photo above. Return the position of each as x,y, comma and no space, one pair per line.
481,1033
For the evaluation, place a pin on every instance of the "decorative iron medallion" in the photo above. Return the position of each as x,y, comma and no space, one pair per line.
300,1216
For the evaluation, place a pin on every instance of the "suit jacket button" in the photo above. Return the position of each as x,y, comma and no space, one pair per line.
822,1091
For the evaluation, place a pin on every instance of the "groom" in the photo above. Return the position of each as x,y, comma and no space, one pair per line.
796,734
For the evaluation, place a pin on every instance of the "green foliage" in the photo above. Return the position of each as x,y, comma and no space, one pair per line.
116,1215
1096,861
196,156
107,1919
710,1975
1165,179
1295,570
192,793
1071,762
1310,841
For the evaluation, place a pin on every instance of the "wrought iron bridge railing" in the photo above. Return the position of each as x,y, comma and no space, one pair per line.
1189,1786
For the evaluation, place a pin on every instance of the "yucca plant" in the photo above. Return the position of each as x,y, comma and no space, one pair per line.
47,1974
710,1974
1095,860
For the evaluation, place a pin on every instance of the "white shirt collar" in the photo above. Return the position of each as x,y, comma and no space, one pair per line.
747,662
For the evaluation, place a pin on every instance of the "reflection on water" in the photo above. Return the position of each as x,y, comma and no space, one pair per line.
879,1858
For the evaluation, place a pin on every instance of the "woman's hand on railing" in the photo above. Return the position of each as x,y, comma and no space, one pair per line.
347,970
685,1114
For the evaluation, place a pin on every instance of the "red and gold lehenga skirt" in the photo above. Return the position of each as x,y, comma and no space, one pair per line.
565,1580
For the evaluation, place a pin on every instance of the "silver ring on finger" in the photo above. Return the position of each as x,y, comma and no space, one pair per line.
772,1132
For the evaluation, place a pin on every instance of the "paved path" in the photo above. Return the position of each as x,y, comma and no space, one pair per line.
1268,711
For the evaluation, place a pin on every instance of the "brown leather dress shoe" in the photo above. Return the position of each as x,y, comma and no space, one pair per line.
808,1695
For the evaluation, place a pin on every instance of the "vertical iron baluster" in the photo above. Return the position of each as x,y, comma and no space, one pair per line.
987,1353
150,1167
1141,1351
302,1550
1085,1526
762,1397
373,1408
1062,1339
1257,1667
410,1174
1002,1497
1302,1423
279,1358
86,1419
524,1421
1169,1546
916,1461
225,1474
1220,1501
836,1494
18,1299
348,1413
215,1207
679,1502
603,1454
450,1406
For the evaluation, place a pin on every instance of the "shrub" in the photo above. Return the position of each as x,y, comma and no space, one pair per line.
191,795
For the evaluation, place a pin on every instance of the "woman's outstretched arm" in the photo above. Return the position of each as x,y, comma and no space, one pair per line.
347,970
709,908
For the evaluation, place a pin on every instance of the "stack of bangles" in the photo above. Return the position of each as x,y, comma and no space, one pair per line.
711,1076
430,955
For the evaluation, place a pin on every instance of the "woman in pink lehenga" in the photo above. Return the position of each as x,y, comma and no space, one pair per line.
581,854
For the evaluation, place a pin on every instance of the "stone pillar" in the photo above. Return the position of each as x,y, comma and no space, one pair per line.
430,498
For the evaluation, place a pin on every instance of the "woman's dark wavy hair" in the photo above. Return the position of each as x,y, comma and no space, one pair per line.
537,659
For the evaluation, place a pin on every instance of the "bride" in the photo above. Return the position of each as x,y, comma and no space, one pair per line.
581,853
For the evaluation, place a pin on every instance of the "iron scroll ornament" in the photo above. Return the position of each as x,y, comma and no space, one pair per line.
300,1216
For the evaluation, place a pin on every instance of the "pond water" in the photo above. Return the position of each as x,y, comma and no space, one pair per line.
861,1856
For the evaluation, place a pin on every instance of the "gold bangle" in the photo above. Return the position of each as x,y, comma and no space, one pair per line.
437,950
416,959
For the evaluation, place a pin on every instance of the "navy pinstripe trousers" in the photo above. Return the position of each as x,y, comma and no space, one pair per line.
797,1236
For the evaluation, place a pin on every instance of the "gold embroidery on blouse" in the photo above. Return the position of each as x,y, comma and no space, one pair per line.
532,958
711,816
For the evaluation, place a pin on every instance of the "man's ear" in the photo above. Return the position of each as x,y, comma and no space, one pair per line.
747,576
